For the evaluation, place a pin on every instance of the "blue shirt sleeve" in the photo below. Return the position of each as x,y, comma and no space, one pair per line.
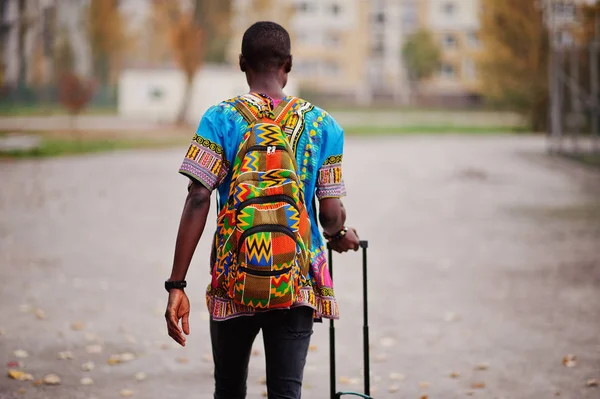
330,183
205,160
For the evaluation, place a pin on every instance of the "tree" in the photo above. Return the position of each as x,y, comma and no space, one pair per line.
213,18
422,57
75,93
108,39
187,41
514,63
64,56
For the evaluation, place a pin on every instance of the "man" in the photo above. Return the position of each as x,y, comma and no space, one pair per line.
317,142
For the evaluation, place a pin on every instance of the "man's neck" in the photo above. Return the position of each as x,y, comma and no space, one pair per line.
268,85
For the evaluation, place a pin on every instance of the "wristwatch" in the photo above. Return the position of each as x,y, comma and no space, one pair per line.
169,285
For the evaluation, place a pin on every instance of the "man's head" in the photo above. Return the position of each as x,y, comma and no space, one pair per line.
266,48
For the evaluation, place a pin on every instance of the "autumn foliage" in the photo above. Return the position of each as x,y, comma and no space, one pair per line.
187,43
514,65
74,92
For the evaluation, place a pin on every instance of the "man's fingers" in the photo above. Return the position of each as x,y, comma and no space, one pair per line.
172,321
177,337
185,323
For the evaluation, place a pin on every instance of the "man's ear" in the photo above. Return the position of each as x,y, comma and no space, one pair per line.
243,63
287,66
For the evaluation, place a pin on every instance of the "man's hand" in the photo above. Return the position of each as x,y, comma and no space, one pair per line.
347,242
178,308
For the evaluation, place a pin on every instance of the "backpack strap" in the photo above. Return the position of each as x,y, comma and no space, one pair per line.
278,114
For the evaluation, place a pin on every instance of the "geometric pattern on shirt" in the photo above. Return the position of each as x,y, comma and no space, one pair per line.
329,180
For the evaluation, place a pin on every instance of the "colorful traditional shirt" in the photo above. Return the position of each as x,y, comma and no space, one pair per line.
317,141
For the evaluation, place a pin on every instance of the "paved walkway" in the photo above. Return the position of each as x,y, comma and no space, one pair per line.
484,262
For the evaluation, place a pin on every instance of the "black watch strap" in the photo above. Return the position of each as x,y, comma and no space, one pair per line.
169,285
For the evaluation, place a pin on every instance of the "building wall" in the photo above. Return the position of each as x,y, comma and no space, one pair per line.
330,41
455,25
156,94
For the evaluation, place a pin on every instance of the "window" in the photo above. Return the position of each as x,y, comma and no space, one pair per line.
473,39
330,68
378,48
332,39
336,9
304,7
448,71
449,41
449,9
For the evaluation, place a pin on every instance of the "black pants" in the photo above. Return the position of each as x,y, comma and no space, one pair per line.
286,335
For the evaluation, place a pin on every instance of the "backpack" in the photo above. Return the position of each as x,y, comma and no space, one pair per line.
262,242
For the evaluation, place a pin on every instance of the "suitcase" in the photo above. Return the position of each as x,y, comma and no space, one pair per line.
367,383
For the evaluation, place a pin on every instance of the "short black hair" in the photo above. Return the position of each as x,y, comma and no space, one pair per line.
266,46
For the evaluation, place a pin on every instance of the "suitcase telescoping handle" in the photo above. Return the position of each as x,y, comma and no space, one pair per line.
333,393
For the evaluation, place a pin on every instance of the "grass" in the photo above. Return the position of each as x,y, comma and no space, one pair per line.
442,129
53,147
52,109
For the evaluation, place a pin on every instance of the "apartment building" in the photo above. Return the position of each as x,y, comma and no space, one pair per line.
331,42
455,24
392,21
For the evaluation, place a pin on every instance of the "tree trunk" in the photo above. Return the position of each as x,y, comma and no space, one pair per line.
22,33
187,95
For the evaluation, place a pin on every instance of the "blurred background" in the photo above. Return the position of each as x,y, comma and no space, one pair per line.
471,160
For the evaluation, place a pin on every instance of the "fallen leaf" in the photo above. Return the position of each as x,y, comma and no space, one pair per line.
387,342
207,357
424,396
592,383
141,376
120,358
164,346
255,352
21,391
37,383
312,348
454,374
77,326
127,356
130,339
262,380
64,355
344,380
382,357
51,379
90,336
127,393
94,348
354,381
2,331
88,366
86,381
393,388
13,364
424,384
451,317
470,393
183,360
482,366
397,376
569,360
20,353
478,385
19,375
557,393
25,308
39,313
265,394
